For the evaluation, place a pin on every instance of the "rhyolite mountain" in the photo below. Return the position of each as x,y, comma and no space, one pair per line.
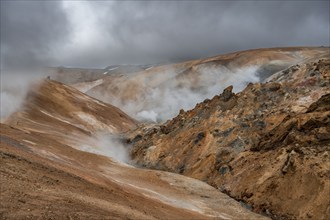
237,136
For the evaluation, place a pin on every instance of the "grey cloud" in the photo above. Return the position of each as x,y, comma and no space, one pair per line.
150,31
29,32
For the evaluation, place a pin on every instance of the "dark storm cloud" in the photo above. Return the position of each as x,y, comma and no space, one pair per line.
29,32
147,32
194,29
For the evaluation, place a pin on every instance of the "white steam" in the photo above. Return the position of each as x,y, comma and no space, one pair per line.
165,93
14,88
10,102
147,115
107,145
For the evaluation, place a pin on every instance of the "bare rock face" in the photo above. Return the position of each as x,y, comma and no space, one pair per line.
267,146
227,93
321,105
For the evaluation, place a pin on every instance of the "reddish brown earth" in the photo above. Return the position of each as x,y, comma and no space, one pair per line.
45,175
63,113
267,145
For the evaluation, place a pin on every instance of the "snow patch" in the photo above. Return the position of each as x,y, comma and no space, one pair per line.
29,142
57,118
113,68
84,87
149,68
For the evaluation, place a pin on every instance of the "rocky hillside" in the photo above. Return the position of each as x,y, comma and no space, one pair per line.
267,146
46,173
62,112
265,143
157,93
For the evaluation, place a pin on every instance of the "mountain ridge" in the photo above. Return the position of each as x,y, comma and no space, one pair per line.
264,143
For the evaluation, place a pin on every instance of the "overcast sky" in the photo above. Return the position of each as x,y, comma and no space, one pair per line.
98,34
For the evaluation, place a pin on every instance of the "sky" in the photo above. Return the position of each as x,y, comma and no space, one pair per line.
97,34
